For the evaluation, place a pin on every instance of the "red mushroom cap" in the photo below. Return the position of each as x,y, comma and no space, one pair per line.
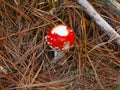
60,37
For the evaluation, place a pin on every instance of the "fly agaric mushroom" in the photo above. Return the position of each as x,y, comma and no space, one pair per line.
60,38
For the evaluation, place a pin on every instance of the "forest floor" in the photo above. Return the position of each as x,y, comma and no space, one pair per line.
26,59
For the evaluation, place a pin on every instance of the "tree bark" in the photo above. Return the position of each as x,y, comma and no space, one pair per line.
100,21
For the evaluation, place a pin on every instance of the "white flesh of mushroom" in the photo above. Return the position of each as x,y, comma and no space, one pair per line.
60,30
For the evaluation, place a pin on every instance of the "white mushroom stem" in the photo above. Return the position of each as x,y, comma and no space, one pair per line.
58,54
100,21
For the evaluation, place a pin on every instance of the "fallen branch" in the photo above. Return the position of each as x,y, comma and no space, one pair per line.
100,21
113,5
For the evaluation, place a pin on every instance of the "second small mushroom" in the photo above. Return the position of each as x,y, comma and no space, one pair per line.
60,38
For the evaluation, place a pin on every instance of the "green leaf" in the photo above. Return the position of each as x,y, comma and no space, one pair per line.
92,73
118,87
52,10
73,72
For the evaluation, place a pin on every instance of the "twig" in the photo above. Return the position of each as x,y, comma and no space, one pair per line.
47,83
100,44
97,78
100,21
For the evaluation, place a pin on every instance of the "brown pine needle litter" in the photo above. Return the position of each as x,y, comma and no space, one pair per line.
26,60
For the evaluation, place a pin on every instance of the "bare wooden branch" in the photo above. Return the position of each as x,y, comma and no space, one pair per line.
113,5
100,21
